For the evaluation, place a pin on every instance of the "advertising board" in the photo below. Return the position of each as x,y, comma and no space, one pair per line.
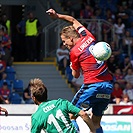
123,109
110,124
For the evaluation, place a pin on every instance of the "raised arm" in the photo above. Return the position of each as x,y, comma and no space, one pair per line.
68,18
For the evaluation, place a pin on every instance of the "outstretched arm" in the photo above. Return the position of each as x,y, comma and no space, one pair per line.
68,18
4,110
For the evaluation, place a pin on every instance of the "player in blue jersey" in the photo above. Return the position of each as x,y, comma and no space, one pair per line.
53,115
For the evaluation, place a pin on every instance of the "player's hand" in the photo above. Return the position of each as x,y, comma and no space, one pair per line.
6,101
4,110
52,13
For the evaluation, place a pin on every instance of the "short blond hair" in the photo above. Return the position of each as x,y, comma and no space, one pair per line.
69,31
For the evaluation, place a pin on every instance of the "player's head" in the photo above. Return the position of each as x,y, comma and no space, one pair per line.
38,91
69,36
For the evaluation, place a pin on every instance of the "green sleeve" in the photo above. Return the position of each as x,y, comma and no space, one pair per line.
72,109
35,127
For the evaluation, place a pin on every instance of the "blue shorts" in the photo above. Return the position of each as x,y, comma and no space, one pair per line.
95,96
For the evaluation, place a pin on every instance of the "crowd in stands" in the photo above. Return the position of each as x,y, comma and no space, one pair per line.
28,30
12,90
119,13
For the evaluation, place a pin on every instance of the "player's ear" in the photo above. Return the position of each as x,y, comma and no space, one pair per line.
33,98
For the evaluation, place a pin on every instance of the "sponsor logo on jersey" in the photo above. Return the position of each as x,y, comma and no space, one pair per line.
106,96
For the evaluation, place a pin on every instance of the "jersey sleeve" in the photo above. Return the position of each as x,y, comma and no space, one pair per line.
35,127
74,61
71,108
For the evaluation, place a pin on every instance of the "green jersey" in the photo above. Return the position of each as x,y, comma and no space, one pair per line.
53,117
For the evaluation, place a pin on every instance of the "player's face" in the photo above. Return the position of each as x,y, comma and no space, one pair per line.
68,42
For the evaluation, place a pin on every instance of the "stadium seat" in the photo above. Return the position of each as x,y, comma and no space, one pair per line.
15,98
10,73
18,86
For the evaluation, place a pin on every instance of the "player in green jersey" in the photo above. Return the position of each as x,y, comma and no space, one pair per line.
53,115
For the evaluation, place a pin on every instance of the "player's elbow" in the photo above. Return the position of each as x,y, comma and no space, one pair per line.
72,19
75,75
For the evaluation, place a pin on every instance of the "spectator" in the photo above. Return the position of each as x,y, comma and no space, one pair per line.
119,77
124,66
2,68
32,31
5,93
21,39
2,52
119,31
6,44
6,22
123,13
127,44
86,13
129,91
107,31
69,8
62,58
117,52
129,76
98,13
112,64
27,95
93,26
130,29
125,100
109,15
117,93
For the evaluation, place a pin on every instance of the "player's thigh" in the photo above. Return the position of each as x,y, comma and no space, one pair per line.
100,106
83,97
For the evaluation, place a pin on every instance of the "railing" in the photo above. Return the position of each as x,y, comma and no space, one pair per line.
52,37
